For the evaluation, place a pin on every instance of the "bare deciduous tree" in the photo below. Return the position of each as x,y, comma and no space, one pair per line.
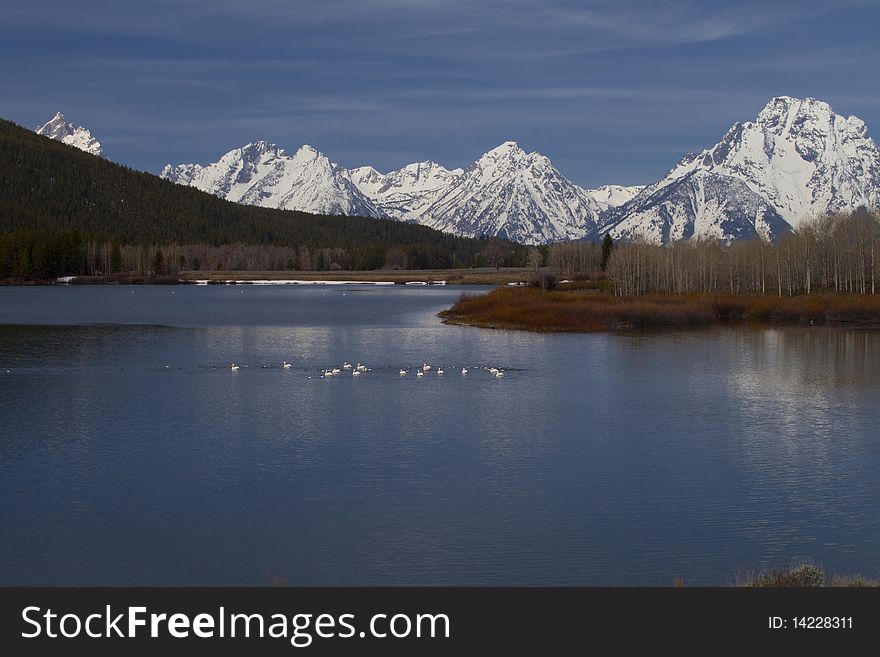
835,252
535,259
496,252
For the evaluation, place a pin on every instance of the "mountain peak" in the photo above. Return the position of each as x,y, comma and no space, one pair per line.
505,149
59,129
262,174
794,101
366,172
782,111
309,152
258,148
796,160
515,195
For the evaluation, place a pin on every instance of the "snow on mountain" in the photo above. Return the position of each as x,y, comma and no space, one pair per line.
507,192
798,158
59,129
612,196
407,192
700,204
513,194
262,174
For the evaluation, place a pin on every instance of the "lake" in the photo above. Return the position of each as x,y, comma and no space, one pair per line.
131,454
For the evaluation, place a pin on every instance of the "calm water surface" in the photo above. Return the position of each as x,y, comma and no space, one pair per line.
129,454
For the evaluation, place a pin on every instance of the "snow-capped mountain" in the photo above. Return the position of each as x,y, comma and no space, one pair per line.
612,196
59,129
262,174
516,195
699,204
797,160
407,192
506,192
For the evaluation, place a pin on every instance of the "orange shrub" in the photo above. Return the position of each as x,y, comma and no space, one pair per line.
582,310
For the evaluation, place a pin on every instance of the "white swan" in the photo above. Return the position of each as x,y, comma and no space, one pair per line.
356,373
285,365
420,373
439,371
499,374
464,370
346,365
402,372
234,367
425,367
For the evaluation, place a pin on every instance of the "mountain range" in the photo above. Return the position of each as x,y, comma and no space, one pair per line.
796,160
506,192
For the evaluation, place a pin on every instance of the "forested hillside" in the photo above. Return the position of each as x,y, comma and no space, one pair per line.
63,211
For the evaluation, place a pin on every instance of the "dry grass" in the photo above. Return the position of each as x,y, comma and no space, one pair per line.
125,279
805,575
802,575
277,581
587,310
482,276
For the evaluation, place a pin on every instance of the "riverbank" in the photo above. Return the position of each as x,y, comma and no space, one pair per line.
480,276
114,279
586,310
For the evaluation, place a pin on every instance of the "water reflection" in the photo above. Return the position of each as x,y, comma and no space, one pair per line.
131,455
806,437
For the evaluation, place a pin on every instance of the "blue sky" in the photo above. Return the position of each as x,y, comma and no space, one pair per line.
610,91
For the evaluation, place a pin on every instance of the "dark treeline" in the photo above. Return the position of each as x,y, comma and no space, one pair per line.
41,255
832,253
65,212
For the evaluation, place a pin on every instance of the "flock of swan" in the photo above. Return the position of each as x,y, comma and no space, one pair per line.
422,370
356,370
425,369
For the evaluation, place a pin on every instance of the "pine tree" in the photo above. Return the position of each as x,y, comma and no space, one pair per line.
116,258
607,248
159,263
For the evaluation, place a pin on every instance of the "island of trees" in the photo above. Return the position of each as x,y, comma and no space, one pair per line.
825,273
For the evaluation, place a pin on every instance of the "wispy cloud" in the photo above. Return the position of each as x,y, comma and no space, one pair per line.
610,89
575,92
601,24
